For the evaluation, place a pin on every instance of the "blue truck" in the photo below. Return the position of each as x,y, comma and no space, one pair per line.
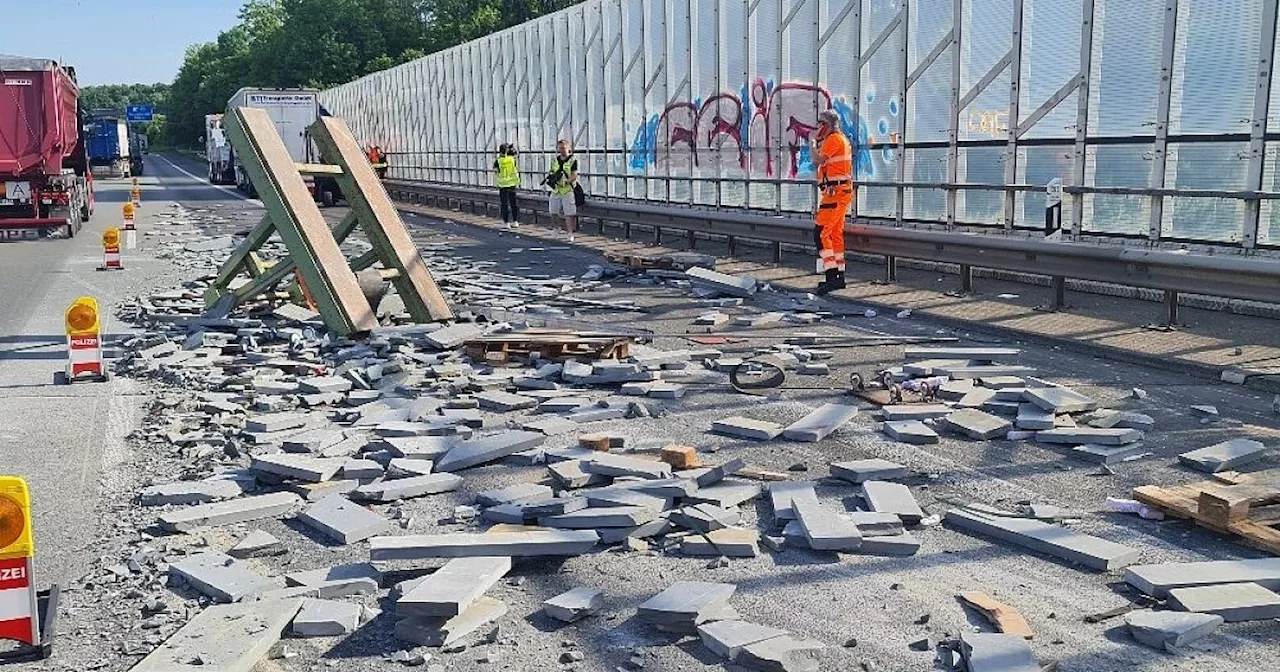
108,143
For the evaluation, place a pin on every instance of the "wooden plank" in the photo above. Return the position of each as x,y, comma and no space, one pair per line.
318,169
1226,504
381,221
297,219
1006,619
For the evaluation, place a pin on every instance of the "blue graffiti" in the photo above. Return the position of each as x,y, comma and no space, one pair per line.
856,128
644,149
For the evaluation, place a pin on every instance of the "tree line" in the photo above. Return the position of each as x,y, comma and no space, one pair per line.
323,43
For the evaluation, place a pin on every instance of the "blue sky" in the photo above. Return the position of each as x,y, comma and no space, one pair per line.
114,41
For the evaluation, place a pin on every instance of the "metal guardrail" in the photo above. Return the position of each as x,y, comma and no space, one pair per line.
1230,276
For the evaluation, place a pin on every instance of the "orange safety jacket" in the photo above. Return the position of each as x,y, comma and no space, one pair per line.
838,164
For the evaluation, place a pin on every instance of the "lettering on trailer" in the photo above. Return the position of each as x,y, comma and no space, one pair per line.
19,82
281,99
17,191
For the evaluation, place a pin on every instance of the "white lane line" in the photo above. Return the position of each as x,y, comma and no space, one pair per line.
226,190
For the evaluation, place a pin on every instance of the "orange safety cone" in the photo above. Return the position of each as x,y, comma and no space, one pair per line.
26,615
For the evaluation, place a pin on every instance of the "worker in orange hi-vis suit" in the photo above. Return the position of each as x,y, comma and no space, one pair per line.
833,157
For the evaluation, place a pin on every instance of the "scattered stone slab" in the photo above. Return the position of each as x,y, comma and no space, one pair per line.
728,638
747,428
712,475
220,576
191,492
1157,580
1234,602
406,467
820,423
323,384
276,422
1059,400
504,402
1033,417
444,632
874,524
705,517
452,589
240,510
780,654
362,470
895,545
407,488
256,544
459,545
520,493
926,367
913,432
977,354
875,469
1223,456
686,605
301,467
606,516
343,521
1090,435
617,465
487,449
575,604
784,494
1108,454
419,447
989,652
571,475
981,371
915,411
731,542
1082,549
550,425
326,618
824,530
895,498
1170,630
223,638
977,424
726,494
732,285
452,336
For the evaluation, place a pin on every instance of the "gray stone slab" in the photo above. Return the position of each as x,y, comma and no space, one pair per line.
407,488
915,411
550,425
257,543
977,424
322,384
1224,455
460,545
326,618
747,428
875,469
520,493
895,498
420,447
653,528
874,524
1234,602
626,496
301,467
504,513
488,448
686,603
598,414
706,517
405,467
995,652
313,440
780,654
1003,382
275,422
448,631
326,576
362,470
783,495
452,336
980,371
728,638
664,488
977,354
554,506
892,545
223,638
191,492
1059,399
726,284
926,367
730,542
453,588
607,464
504,402
713,475
1031,416
343,521
820,423
1060,542
976,398
1170,630
608,516
314,492
574,604
1108,454
914,432
232,511
825,530
1118,436
726,494
570,475
220,576
1157,580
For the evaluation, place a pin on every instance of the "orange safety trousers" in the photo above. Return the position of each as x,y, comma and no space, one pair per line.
832,210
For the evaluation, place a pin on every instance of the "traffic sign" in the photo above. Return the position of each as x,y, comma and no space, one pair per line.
140,113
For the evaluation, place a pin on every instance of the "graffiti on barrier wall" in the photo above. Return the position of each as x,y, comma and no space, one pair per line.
737,130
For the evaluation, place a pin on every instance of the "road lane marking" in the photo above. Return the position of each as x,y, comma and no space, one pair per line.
226,190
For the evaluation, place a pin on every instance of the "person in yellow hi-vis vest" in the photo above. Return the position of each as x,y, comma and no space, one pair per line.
833,157
507,177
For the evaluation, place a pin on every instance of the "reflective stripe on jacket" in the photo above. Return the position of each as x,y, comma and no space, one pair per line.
839,155
508,176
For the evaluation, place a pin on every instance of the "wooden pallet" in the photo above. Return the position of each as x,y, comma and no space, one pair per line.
1246,505
671,262
551,345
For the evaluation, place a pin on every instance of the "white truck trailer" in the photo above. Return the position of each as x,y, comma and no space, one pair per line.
292,110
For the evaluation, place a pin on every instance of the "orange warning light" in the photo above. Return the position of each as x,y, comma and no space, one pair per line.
111,237
82,316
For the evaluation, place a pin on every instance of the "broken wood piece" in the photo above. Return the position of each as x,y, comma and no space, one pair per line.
1004,617
761,474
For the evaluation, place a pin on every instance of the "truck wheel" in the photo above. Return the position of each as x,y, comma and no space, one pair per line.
327,198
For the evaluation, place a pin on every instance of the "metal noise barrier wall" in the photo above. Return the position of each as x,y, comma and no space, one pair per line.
962,110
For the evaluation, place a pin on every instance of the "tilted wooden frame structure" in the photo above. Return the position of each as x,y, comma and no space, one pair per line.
314,255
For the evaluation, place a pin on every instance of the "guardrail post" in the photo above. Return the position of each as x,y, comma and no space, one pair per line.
657,235
692,239
733,245
1058,284
626,230
966,279
1170,308
777,253
890,268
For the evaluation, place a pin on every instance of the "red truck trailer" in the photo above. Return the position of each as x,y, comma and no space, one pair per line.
46,188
